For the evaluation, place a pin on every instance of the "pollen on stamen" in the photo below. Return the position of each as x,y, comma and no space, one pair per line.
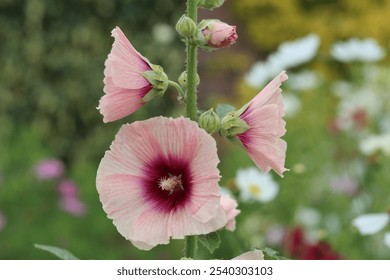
170,183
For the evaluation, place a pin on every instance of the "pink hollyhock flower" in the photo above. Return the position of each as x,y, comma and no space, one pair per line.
229,205
259,126
159,180
216,34
49,169
130,80
251,255
73,205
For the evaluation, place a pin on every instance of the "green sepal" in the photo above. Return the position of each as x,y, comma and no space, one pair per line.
223,109
58,252
232,125
210,241
158,79
152,94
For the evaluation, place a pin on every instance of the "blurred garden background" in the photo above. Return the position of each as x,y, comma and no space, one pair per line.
337,100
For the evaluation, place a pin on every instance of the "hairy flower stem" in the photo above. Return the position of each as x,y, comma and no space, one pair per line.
178,88
190,246
192,61
191,102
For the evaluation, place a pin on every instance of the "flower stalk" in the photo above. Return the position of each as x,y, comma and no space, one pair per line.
192,62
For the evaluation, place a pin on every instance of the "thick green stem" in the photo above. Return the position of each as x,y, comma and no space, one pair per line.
192,62
190,246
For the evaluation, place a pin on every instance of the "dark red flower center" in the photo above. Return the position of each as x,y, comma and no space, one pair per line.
167,184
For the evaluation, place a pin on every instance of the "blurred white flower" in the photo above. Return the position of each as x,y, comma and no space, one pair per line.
387,239
163,33
292,104
308,217
375,143
288,55
371,223
254,185
304,80
295,53
274,235
365,50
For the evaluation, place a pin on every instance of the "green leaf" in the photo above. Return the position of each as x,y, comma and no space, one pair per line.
61,253
271,254
211,241
223,109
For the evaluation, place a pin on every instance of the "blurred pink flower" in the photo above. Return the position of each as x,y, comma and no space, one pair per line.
218,34
68,188
264,118
72,205
3,221
229,205
344,184
160,180
125,86
49,169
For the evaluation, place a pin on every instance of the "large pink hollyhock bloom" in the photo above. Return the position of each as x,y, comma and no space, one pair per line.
229,205
125,83
264,115
159,180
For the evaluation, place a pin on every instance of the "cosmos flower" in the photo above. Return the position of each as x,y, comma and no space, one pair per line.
49,169
257,186
259,125
365,50
130,80
229,205
159,180
368,224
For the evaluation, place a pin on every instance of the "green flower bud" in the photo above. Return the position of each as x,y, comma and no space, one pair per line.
232,125
209,121
158,79
210,4
183,79
186,27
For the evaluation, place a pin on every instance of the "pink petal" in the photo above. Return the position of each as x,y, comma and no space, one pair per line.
128,186
251,255
229,205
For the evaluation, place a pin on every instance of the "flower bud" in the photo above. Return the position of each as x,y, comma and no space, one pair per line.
183,79
210,4
232,125
214,34
185,26
209,121
159,81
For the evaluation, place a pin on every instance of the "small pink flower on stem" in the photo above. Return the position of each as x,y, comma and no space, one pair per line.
159,180
259,125
215,34
229,205
130,80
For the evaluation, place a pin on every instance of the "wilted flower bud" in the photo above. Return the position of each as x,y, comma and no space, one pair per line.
214,34
209,121
159,81
183,79
210,4
185,26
